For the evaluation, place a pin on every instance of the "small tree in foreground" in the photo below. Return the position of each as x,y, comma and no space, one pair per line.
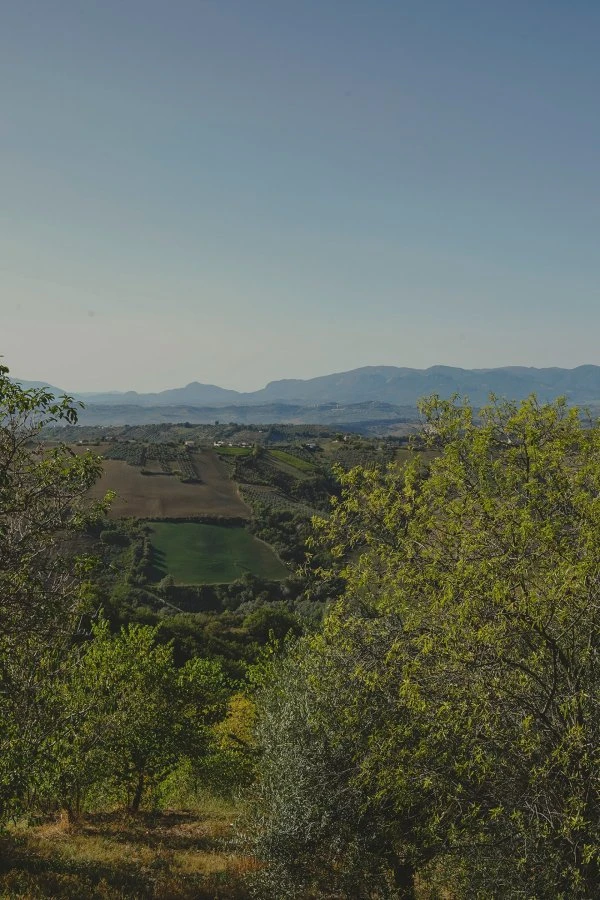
313,823
132,716
459,674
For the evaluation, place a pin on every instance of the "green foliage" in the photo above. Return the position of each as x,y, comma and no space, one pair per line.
234,451
283,529
132,716
312,823
461,661
114,538
272,621
44,575
229,767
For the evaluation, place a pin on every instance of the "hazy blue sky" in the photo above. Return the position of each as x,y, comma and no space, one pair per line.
234,191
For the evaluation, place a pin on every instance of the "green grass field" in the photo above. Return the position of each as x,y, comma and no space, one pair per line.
301,464
211,554
233,451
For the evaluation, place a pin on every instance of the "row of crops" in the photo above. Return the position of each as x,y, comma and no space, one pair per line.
133,454
168,456
293,459
173,460
185,464
164,455
366,456
229,464
254,494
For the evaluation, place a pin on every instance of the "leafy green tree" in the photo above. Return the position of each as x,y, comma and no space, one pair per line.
113,538
133,715
44,576
228,768
271,620
165,585
313,821
463,655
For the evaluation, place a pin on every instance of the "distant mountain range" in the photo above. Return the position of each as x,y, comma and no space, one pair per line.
388,384
387,391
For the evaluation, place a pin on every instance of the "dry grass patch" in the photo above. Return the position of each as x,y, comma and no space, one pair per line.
168,856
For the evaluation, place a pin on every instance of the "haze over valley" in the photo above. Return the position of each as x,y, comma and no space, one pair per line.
371,394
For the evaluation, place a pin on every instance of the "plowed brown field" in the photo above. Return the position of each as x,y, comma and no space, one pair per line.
165,496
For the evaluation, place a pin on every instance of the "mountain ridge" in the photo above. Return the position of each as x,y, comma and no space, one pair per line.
388,384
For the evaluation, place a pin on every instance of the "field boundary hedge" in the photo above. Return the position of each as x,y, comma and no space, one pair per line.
224,521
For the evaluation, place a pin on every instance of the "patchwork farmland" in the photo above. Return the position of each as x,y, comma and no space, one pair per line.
151,492
215,511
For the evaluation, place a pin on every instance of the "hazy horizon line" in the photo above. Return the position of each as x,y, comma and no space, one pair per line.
121,391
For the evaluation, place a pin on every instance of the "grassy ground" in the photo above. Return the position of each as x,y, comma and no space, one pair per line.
167,856
295,462
211,554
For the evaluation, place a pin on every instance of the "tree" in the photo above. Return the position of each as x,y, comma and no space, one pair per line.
271,620
228,767
313,822
464,652
44,576
132,716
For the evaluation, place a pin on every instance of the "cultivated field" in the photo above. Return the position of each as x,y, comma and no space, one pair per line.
272,498
163,495
293,462
211,554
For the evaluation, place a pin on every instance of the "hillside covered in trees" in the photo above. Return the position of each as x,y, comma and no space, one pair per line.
435,734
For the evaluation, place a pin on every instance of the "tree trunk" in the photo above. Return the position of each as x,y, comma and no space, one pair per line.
404,879
139,790
67,816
